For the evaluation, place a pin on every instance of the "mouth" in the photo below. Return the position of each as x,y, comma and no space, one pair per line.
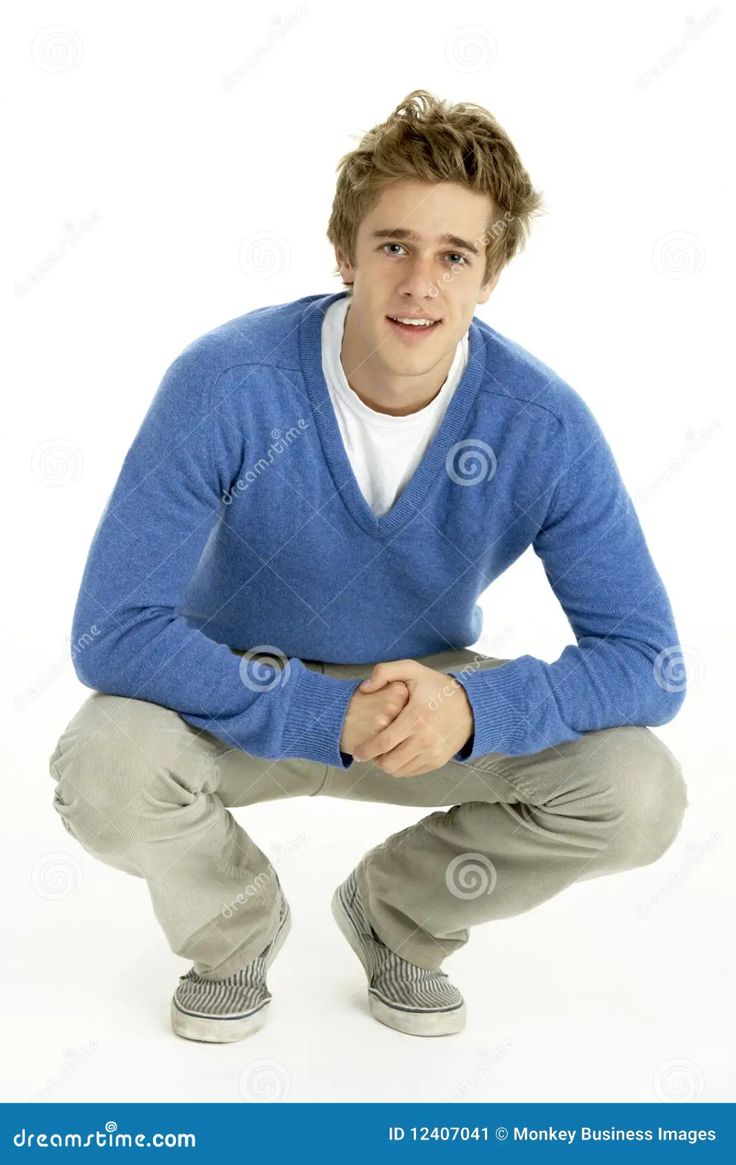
414,331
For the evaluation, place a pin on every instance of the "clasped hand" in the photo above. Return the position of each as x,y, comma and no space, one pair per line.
407,718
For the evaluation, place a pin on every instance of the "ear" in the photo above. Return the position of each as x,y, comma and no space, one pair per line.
347,271
487,288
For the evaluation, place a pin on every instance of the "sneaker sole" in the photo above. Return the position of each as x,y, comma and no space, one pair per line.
227,1029
411,1023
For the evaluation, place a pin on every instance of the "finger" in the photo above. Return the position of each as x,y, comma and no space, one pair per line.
397,732
384,673
400,761
398,757
413,769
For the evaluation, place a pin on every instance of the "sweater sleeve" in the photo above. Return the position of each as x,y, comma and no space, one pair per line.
627,667
129,639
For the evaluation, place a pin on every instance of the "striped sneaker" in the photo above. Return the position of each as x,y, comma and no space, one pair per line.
400,994
224,1010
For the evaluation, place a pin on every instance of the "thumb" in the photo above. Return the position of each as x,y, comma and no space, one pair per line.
384,673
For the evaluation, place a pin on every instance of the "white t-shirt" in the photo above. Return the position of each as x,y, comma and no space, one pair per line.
383,450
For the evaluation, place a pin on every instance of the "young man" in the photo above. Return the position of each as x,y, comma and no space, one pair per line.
281,593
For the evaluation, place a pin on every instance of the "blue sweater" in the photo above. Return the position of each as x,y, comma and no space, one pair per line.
236,522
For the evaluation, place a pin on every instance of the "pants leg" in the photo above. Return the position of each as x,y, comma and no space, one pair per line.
147,793
520,829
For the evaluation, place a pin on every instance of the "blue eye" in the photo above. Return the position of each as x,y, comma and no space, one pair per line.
459,257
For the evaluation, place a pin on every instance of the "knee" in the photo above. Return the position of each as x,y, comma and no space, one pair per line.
102,786
650,795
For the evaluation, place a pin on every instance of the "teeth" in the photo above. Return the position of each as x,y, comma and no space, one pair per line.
415,323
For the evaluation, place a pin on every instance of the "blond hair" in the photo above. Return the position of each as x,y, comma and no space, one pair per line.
429,140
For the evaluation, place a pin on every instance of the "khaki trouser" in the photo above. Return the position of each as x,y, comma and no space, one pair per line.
145,792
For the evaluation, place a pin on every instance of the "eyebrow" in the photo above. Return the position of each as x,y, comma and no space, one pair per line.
403,233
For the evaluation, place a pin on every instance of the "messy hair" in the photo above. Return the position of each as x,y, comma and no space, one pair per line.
429,140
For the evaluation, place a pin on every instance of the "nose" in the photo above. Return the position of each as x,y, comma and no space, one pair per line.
418,281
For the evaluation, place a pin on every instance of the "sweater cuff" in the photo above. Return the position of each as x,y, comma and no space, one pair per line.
316,716
496,696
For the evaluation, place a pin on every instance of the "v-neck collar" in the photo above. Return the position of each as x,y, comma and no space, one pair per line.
432,463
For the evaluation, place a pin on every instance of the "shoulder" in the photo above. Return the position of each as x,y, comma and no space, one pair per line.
514,374
266,336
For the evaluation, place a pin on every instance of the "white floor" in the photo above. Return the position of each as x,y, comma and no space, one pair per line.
619,989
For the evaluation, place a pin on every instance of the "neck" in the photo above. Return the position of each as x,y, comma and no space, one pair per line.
379,388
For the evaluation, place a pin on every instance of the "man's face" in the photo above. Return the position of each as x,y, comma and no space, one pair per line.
433,274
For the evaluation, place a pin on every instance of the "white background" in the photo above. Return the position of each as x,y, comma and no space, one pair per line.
171,166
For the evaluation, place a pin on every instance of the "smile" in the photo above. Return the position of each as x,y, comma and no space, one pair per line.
415,329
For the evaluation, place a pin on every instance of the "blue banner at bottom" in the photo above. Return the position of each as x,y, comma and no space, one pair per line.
275,1132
